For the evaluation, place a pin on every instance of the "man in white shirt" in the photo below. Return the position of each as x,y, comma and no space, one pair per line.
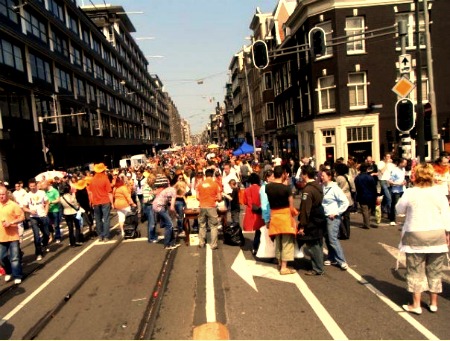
385,168
228,175
36,203
397,183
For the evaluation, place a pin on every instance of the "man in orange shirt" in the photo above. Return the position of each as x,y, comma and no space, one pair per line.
11,215
208,193
102,200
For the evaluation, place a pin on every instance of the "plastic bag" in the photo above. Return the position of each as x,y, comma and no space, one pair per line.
298,251
266,247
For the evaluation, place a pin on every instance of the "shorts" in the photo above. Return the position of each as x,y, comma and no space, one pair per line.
122,213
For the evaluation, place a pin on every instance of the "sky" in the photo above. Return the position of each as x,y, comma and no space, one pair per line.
198,39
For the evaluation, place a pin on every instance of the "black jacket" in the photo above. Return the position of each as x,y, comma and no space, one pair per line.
366,189
312,216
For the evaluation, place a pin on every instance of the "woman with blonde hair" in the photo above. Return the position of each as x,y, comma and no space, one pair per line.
122,202
425,237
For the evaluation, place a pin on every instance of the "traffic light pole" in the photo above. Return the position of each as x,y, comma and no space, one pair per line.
250,109
420,114
432,94
405,138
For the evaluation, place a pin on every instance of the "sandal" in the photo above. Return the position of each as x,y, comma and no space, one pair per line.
287,271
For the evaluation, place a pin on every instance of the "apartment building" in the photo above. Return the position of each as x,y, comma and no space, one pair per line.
74,88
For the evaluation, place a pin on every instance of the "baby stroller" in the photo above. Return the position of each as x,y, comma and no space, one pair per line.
131,224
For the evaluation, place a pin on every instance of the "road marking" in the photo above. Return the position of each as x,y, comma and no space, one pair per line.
246,269
405,315
394,252
22,304
210,295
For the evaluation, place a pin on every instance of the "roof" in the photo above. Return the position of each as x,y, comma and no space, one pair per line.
111,11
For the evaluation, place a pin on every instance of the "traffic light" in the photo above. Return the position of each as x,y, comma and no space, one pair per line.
404,115
260,54
317,42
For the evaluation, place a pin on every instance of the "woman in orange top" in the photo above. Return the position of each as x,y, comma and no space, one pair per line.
122,202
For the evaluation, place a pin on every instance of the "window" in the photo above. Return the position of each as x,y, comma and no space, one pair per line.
73,24
60,45
56,9
80,87
326,92
268,81
98,71
40,68
270,111
35,27
357,90
76,56
64,80
96,45
357,134
411,27
11,55
88,65
91,93
86,37
6,9
354,28
326,26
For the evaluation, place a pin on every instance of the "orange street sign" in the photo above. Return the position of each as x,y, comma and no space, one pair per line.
403,87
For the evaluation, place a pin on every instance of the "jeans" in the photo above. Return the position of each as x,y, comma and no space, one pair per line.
315,250
71,222
179,208
208,216
55,220
101,215
39,224
12,262
335,252
387,200
166,223
395,198
148,210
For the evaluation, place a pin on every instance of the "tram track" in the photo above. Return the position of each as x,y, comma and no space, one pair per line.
155,294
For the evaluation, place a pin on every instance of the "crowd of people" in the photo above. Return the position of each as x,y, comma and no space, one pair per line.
221,182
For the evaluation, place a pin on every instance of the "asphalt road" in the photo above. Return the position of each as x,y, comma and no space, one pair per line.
109,298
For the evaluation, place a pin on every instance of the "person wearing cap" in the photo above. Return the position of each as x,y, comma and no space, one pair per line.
102,200
82,196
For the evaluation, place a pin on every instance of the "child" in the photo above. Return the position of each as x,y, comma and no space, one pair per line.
235,207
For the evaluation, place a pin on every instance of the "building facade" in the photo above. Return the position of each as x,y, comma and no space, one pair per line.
74,88
340,104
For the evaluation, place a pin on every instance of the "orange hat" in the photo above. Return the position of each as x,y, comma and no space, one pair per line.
80,184
100,167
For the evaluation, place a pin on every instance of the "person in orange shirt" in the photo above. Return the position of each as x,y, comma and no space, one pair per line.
102,200
208,193
122,202
11,215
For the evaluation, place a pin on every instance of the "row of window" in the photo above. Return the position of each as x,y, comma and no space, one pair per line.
38,28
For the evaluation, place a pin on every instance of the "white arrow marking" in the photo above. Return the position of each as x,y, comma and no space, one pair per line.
394,252
246,269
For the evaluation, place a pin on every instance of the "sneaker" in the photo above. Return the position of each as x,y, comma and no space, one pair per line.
170,247
58,241
38,258
47,249
7,278
182,234
344,266
328,262
392,223
17,281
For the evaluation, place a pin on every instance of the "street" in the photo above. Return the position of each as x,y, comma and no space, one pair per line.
129,289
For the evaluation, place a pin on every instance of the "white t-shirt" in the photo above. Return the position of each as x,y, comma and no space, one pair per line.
226,179
386,175
19,196
36,202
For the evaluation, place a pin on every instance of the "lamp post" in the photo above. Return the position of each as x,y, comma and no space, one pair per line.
250,107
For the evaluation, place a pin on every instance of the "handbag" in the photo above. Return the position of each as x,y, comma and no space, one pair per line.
80,209
256,209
